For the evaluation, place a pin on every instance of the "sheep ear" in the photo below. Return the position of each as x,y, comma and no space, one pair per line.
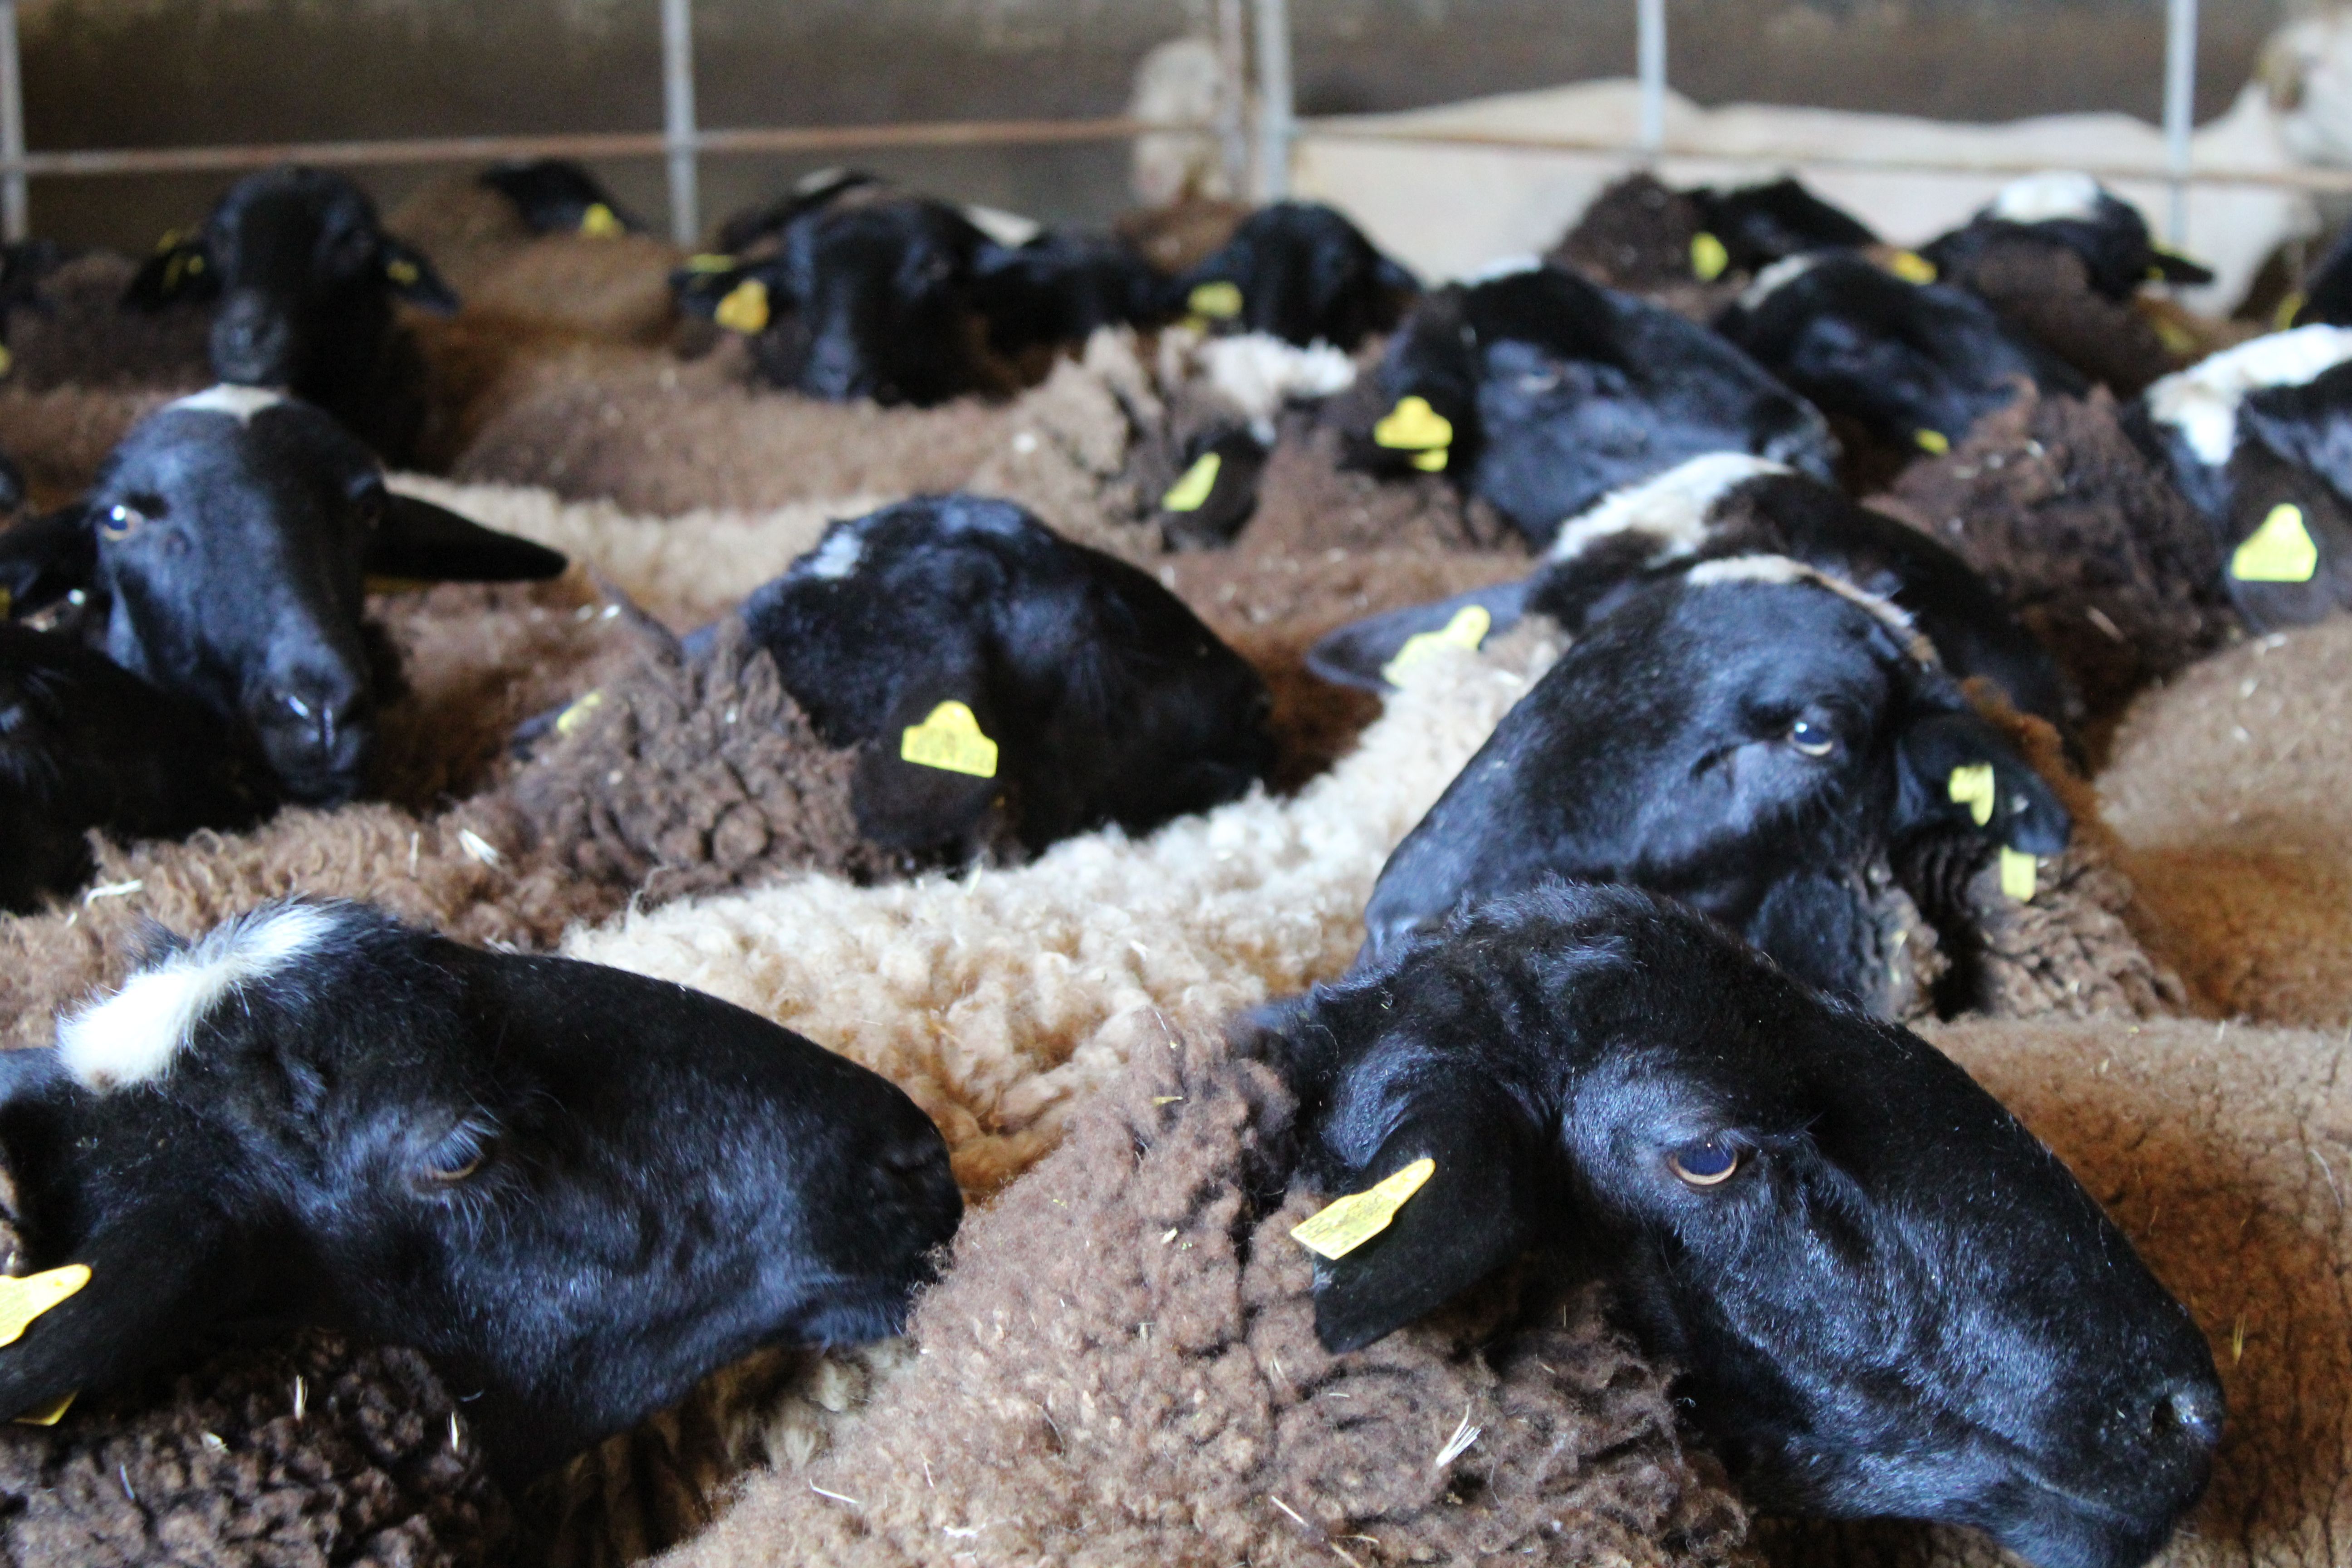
181,268
43,559
1472,1216
411,276
1957,771
926,781
1360,654
1393,274
428,543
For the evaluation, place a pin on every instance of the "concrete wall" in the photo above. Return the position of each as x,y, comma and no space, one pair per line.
162,72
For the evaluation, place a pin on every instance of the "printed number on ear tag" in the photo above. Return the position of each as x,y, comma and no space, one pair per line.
1412,425
1911,266
2018,871
745,308
1346,1223
1708,258
599,222
1971,784
1190,492
1467,629
1220,302
1935,443
22,1300
51,1415
2280,550
949,739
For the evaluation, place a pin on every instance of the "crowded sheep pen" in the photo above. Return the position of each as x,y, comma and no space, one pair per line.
1576,827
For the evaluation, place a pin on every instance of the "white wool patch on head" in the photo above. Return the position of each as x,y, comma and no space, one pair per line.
838,556
1779,276
1259,372
132,1036
1503,267
2046,198
1673,508
2201,402
1781,569
239,403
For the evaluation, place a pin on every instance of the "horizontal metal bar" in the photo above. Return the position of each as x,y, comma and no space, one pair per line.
592,145
2304,179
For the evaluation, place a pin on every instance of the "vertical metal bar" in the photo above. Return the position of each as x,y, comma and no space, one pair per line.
2180,110
16,214
678,118
1232,94
1650,65
1275,121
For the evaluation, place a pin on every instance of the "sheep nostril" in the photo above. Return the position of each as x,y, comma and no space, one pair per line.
2187,1413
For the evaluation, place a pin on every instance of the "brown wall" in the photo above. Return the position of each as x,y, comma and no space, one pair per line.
159,72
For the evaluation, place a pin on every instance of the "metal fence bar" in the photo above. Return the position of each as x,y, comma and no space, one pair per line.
678,119
1233,93
15,204
1650,65
2180,110
1276,118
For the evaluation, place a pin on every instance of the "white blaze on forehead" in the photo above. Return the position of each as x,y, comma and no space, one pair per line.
1781,569
1259,372
239,403
1779,276
837,557
1672,508
132,1036
2046,198
2201,402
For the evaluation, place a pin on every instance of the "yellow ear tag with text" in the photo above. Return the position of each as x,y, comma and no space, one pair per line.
1188,493
50,1416
1933,442
745,308
1911,266
22,1300
600,223
2017,873
400,270
949,739
1412,425
1972,785
1467,629
1708,258
1223,301
1346,1223
2280,550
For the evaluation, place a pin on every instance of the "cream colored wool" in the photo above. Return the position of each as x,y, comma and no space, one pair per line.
1000,1000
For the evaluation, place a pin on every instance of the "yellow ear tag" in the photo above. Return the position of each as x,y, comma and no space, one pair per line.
2176,337
1346,1223
1412,425
1934,442
949,739
572,717
1972,785
50,1416
2284,317
1188,493
2017,873
1467,629
2280,550
1911,266
399,269
709,261
599,222
22,1300
7,602
1708,258
1430,462
745,308
1221,302
7,360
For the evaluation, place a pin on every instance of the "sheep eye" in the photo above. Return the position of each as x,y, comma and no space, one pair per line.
1707,1162
121,521
456,1157
449,1176
1811,739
